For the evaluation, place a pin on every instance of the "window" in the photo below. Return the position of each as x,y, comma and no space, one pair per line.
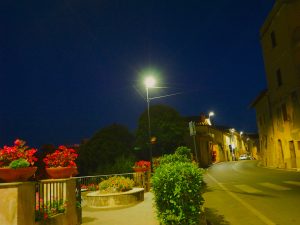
273,39
279,77
284,112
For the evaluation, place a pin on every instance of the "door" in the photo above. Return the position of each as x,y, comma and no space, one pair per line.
293,154
281,156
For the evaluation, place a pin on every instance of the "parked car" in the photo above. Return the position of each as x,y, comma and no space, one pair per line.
245,157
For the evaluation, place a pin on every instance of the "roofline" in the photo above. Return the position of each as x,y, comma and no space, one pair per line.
258,98
274,11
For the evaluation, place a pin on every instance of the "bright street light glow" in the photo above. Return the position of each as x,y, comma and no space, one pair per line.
150,82
211,114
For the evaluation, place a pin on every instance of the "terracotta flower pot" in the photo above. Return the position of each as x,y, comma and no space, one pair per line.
139,169
61,172
19,174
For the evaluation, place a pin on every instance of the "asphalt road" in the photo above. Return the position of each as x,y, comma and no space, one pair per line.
241,193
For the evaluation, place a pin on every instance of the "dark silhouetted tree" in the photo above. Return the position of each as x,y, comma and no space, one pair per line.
167,126
104,149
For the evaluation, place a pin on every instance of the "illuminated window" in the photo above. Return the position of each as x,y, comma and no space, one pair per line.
279,77
273,39
284,112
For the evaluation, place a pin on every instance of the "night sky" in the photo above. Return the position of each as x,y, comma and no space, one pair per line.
71,67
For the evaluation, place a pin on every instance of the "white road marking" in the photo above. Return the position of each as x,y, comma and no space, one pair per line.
265,219
296,183
247,189
275,187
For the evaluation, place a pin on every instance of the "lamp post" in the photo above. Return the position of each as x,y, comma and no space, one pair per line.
149,83
232,130
209,115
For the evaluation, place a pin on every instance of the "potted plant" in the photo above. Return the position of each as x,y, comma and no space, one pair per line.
16,162
61,163
141,166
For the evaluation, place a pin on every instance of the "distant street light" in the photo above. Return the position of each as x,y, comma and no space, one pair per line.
149,83
232,130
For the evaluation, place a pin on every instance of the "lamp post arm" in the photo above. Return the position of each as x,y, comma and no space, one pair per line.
163,96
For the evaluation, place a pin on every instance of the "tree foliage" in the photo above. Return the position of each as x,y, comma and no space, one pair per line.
167,126
104,148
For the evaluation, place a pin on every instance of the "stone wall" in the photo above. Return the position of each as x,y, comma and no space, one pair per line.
17,204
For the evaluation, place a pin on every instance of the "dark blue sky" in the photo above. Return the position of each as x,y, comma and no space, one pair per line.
70,67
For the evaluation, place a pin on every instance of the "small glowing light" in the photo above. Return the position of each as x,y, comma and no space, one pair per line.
211,114
150,82
232,130
241,133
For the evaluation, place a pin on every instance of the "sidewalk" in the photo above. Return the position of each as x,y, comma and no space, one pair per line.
141,213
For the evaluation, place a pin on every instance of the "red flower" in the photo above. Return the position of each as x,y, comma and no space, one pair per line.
142,164
19,150
61,157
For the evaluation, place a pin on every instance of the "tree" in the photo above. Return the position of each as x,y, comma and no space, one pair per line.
167,126
104,149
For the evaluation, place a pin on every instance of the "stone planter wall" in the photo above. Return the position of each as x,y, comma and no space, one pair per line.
122,199
17,203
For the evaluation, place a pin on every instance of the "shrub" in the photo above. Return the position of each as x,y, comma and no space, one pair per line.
177,189
116,184
173,158
184,151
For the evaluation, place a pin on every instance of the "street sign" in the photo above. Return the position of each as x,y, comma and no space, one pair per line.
192,128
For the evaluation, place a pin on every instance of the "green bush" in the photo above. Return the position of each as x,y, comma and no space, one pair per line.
19,163
177,189
116,184
184,151
173,158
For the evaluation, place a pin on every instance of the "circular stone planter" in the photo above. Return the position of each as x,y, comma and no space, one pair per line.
113,200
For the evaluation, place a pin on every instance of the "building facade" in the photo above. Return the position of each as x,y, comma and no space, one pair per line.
215,144
278,107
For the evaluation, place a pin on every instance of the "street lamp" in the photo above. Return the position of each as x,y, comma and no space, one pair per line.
209,115
232,130
149,83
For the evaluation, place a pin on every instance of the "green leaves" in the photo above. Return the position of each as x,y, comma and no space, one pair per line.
177,186
19,163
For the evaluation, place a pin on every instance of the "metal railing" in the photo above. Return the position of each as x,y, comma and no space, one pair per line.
50,198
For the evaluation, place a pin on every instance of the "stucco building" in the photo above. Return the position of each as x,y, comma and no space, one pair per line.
213,144
278,107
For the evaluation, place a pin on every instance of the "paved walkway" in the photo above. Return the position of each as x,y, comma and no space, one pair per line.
141,213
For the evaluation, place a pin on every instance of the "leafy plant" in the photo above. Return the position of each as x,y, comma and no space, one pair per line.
184,151
19,163
177,188
19,150
45,210
116,184
173,158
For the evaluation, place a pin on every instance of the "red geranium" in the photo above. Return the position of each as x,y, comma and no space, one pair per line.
142,164
62,157
17,151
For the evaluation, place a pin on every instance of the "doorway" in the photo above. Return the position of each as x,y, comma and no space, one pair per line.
293,154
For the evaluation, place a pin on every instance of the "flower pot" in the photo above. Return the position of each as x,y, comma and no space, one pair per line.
139,169
61,172
19,174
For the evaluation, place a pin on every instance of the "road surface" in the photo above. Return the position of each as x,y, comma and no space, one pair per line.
241,193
